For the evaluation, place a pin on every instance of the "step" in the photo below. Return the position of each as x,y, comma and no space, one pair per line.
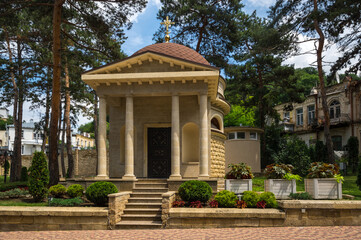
150,190
143,211
151,185
138,225
146,194
144,200
142,217
144,206
152,181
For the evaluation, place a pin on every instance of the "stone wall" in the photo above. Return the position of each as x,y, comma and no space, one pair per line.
218,158
117,202
167,201
52,218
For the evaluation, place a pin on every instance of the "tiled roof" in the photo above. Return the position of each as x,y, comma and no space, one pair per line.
175,50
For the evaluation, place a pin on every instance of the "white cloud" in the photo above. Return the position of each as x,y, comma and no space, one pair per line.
261,3
157,3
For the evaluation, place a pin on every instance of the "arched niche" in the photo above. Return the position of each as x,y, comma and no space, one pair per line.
190,143
217,123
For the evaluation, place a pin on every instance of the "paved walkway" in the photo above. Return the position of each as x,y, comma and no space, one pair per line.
278,233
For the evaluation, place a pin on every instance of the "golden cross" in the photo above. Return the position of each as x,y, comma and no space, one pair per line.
167,24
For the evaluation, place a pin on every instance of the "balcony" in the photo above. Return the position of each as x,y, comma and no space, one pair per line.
342,120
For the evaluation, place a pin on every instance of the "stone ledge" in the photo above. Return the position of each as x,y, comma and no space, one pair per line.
168,194
319,204
226,213
119,194
54,211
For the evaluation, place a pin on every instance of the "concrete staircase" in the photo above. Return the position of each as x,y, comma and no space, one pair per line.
144,207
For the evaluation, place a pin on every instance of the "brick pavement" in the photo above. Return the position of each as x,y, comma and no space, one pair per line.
345,232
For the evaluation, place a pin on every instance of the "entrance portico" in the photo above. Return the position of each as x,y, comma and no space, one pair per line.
169,100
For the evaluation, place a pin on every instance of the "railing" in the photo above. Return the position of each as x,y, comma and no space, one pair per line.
343,118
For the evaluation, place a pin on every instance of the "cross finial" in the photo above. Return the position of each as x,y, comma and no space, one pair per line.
167,24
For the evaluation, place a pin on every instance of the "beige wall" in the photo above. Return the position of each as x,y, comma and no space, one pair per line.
3,141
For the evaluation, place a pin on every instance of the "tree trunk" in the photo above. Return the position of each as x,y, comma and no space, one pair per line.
55,101
62,131
47,113
68,123
96,126
321,42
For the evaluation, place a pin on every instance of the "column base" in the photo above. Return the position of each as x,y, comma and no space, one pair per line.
129,177
204,177
101,177
175,177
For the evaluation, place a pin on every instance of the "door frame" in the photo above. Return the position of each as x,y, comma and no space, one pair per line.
145,157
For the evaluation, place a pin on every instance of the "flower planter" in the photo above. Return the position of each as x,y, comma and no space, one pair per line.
238,186
323,188
281,188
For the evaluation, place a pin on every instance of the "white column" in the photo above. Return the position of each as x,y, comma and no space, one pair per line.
102,138
129,139
203,113
175,139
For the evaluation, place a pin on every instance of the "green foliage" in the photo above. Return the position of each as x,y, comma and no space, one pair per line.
269,198
57,190
240,115
75,190
4,122
318,153
322,170
226,199
12,185
339,178
294,151
278,171
24,174
194,190
14,193
38,177
87,127
301,196
239,171
272,136
358,180
290,176
353,152
251,198
98,192
65,202
307,78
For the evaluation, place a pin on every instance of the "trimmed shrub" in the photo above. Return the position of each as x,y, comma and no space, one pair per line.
251,198
98,192
269,198
226,199
301,196
24,174
75,190
57,190
38,177
65,202
194,190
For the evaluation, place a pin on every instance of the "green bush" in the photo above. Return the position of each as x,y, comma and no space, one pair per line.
352,144
269,198
65,202
6,167
195,190
14,193
251,198
239,171
294,151
38,177
24,174
98,192
12,185
226,199
301,196
57,190
75,190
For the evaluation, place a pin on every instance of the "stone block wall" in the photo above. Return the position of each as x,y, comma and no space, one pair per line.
117,202
167,200
218,158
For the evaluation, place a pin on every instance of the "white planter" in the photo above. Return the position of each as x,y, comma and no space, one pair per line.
281,188
323,188
238,186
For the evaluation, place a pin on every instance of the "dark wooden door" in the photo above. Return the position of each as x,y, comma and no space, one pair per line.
159,152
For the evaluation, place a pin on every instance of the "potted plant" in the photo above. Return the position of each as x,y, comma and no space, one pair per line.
280,180
323,181
239,178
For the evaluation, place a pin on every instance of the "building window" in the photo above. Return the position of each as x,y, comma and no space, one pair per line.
335,110
241,135
253,135
299,117
286,116
337,143
232,135
311,114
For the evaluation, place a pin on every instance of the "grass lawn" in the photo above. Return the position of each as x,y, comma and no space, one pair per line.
349,186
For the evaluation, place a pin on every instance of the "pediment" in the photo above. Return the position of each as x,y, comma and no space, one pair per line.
150,62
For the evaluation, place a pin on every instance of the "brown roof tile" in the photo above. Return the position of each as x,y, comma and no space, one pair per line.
174,50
